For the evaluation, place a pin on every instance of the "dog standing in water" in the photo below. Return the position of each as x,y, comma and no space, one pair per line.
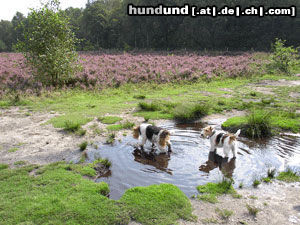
157,135
219,139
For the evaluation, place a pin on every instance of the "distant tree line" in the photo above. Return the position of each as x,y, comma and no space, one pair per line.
105,24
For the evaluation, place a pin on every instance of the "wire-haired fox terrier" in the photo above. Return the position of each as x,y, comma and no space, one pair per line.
154,134
219,139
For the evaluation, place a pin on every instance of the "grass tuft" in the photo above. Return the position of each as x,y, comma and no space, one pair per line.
224,213
252,210
259,124
288,176
256,182
71,126
190,112
83,145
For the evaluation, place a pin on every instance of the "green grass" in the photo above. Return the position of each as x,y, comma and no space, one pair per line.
58,194
3,166
211,191
20,163
288,176
83,145
256,182
190,112
252,210
157,204
110,138
80,106
116,127
109,119
211,198
264,123
224,213
14,149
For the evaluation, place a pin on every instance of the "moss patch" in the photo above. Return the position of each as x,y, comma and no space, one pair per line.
157,204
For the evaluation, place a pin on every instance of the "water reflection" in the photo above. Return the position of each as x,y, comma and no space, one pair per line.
217,161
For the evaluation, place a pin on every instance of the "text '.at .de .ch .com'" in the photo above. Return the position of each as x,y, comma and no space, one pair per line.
214,11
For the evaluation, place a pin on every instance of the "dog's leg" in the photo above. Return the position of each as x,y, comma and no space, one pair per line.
143,142
169,146
226,151
212,148
234,150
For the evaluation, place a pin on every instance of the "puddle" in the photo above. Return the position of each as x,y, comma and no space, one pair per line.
190,164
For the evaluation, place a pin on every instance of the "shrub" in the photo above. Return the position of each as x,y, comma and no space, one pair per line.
83,145
283,58
49,45
190,112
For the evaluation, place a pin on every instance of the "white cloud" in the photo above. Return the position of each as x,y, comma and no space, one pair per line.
8,8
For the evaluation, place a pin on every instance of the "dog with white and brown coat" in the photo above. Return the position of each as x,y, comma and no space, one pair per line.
156,135
219,139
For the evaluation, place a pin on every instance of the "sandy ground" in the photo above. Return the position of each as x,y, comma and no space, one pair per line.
278,204
29,138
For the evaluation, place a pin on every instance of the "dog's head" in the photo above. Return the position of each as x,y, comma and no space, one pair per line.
164,137
136,132
207,131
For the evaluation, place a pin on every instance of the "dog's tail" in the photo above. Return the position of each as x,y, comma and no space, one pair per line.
237,133
136,132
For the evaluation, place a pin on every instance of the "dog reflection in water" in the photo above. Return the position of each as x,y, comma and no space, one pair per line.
215,160
160,161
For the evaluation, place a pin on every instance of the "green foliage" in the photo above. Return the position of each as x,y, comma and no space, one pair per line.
212,190
14,149
252,210
20,163
83,145
284,58
110,119
224,213
58,195
157,204
49,45
212,198
190,112
256,182
3,166
71,126
288,176
111,138
116,127
259,124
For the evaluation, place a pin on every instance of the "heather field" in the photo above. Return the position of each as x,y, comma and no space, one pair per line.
113,70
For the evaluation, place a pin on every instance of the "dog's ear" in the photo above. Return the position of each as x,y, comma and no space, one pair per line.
136,132
211,128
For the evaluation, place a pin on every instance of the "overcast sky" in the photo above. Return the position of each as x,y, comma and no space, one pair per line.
8,8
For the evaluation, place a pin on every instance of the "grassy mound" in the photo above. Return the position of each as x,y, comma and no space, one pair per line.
190,112
157,204
58,194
